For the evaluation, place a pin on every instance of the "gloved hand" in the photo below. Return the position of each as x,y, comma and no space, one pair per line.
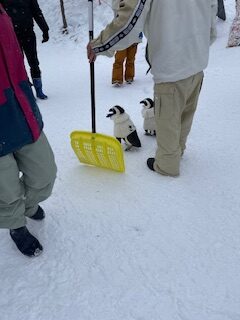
45,37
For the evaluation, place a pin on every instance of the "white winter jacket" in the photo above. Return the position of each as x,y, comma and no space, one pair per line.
179,33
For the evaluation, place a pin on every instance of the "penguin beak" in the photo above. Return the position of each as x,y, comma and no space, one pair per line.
143,104
111,113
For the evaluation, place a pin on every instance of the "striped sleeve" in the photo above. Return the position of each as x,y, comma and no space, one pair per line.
124,30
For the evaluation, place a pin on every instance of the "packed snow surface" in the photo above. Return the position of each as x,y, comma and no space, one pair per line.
132,246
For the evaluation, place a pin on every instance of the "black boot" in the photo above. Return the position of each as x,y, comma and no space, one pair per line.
39,215
37,82
26,242
150,162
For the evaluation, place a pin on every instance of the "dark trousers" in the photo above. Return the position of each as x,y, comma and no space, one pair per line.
28,45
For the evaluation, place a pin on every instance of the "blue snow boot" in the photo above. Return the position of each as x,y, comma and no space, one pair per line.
37,82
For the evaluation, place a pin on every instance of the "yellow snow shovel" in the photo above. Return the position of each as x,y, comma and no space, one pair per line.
94,148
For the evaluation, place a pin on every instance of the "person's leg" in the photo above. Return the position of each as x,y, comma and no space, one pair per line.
173,121
12,207
117,72
168,103
29,46
37,164
129,65
12,203
19,197
190,108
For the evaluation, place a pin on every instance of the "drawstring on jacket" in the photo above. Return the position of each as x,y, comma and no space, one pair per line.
147,59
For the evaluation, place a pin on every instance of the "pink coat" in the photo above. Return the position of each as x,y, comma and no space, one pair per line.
20,119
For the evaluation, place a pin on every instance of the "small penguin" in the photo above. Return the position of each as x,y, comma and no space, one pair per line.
149,124
124,127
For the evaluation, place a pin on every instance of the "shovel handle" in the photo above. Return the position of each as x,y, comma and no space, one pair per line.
92,73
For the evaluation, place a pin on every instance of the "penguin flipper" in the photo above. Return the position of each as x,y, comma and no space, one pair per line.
133,139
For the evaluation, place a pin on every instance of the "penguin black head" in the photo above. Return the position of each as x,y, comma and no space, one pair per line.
115,111
147,103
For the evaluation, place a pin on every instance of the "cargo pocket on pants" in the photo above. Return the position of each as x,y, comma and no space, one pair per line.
164,104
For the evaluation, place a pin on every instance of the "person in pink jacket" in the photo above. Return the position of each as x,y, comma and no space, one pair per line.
27,165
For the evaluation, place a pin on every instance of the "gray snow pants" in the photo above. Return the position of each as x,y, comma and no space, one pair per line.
26,178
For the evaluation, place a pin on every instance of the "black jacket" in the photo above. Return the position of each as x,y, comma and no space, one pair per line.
22,13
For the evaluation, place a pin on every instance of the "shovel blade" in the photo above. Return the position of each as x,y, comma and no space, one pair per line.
98,150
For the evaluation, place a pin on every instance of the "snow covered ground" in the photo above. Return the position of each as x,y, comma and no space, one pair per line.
133,246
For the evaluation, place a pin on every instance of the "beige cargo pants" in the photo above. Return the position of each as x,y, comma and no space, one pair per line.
19,196
175,105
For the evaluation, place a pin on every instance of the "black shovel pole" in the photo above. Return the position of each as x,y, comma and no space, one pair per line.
92,73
